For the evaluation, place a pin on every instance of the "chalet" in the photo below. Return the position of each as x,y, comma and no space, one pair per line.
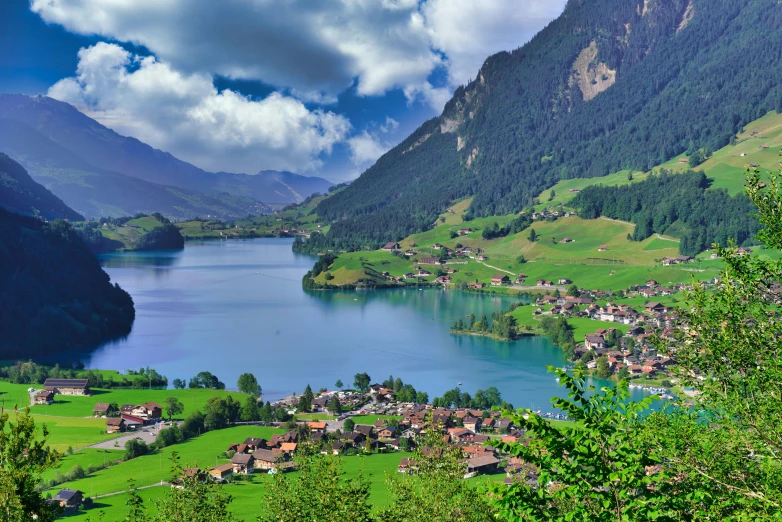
503,425
602,248
424,273
127,409
499,280
222,472
267,459
430,261
683,259
655,307
651,283
364,429
44,397
391,247
68,498
316,427
482,464
337,447
566,240
354,437
102,409
131,422
288,448
472,424
387,433
565,281
683,160
461,435
410,253
406,465
482,258
521,278
149,411
477,286
115,425
464,231
67,386
635,369
254,443
409,275
594,342
243,463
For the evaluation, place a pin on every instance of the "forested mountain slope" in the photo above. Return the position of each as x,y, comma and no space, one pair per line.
21,194
609,85
54,296
107,150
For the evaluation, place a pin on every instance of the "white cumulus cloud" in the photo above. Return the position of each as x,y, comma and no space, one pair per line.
183,113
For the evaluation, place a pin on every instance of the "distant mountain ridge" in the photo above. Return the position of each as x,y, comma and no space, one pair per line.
19,193
62,148
610,85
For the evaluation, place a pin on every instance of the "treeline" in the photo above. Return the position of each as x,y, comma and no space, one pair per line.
54,296
482,400
502,325
165,237
321,265
515,226
32,373
679,205
528,126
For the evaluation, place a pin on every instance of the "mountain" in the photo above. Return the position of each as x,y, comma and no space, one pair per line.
107,151
21,194
609,85
54,296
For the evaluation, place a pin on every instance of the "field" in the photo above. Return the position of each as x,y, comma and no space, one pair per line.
581,326
132,231
566,190
76,406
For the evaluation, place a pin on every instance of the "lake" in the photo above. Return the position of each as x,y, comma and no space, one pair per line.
230,307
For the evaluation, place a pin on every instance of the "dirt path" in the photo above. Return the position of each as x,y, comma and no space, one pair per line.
498,269
667,238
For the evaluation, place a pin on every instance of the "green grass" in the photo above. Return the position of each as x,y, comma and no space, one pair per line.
133,230
73,432
371,419
582,326
76,406
563,194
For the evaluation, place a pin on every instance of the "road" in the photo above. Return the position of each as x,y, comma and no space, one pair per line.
148,434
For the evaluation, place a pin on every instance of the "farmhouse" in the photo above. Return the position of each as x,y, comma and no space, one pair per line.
44,397
67,386
499,280
68,498
602,248
477,286
102,409
391,247
482,464
464,231
430,261
131,422
220,473
566,240
243,463
594,342
115,425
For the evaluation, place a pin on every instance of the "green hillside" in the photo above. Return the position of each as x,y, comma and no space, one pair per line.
141,232
684,77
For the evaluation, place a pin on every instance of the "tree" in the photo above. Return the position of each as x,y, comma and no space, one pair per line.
250,410
361,381
421,398
206,380
603,368
598,471
630,176
179,384
436,491
248,384
173,407
335,407
24,457
196,501
320,491
573,291
135,505
349,425
533,236
194,425
521,259
135,448
219,412
339,384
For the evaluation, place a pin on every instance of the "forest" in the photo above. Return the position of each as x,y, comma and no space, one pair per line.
51,282
522,124
678,205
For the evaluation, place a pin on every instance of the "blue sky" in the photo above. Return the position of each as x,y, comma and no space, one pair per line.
319,88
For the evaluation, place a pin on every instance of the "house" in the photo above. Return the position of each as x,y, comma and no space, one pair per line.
482,464
472,424
387,432
316,427
243,463
565,281
683,160
254,443
102,409
594,342
267,459
430,261
482,258
131,422
67,386
337,447
44,397
464,231
288,448
364,429
409,275
149,411
477,286
602,248
654,307
521,278
68,498
566,240
461,435
222,472
499,280
391,247
115,425
406,465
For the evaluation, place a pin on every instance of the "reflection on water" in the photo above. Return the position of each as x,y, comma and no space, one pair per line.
237,306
